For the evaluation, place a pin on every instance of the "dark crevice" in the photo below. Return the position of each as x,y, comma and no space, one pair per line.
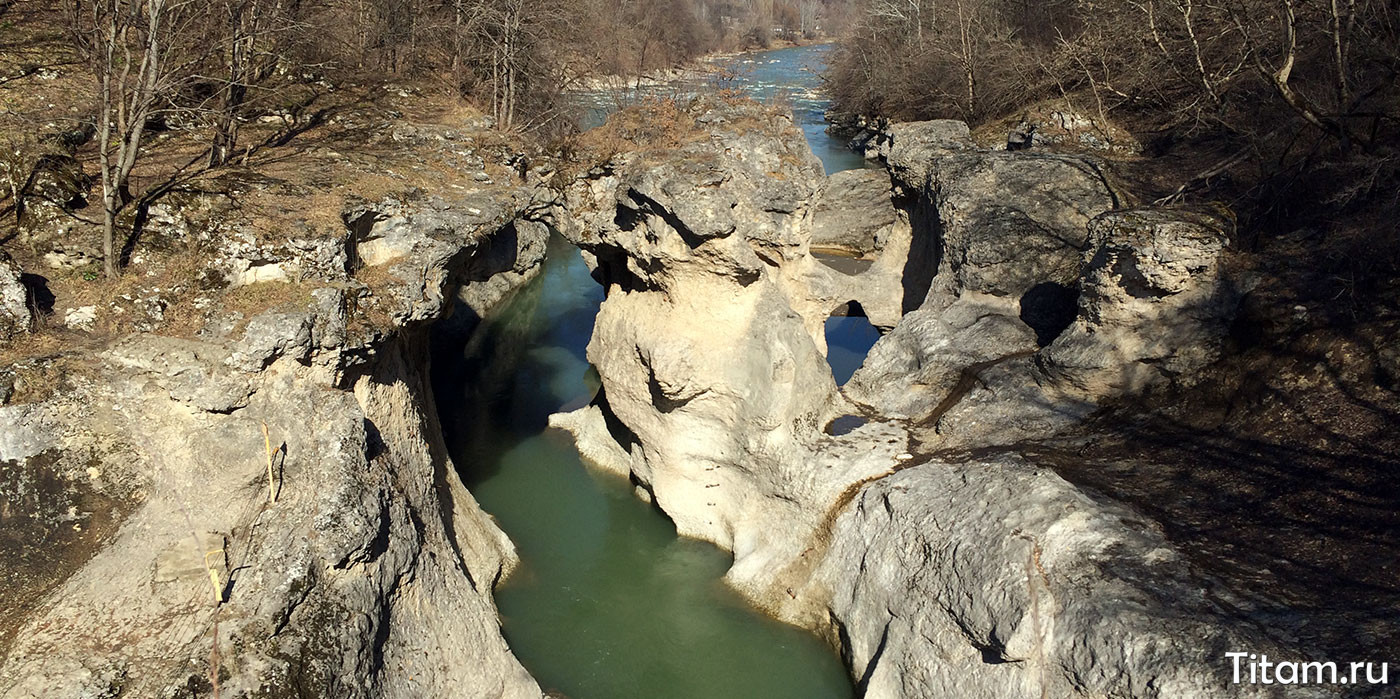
1048,308
925,249
40,298
620,432
863,684
850,309
663,402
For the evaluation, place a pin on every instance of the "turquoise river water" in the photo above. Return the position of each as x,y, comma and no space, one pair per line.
609,603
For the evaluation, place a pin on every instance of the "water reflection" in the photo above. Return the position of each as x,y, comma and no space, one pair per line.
848,341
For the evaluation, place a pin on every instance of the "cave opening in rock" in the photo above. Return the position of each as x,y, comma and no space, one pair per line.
849,337
1048,308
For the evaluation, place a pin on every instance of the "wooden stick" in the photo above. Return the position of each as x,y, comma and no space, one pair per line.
214,577
272,488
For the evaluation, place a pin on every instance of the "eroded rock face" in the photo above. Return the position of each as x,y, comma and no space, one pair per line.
854,212
1154,303
914,142
512,257
370,575
709,343
994,577
919,365
431,246
1157,298
364,563
996,257
999,223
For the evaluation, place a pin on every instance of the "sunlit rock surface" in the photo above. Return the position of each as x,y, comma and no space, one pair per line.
152,560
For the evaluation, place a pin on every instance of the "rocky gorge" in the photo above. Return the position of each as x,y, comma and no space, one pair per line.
900,515
272,498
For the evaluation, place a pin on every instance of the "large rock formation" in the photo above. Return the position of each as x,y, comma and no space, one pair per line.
855,218
993,269
854,213
1016,252
709,344
993,577
957,575
152,561
1156,299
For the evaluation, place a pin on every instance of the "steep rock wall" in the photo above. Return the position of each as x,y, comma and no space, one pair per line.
710,342
369,576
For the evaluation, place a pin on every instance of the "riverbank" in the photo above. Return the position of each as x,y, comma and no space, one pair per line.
710,67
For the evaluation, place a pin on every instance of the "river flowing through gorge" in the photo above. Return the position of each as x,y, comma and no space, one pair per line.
608,600
705,403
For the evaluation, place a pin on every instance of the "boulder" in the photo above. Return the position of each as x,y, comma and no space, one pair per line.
991,274
854,212
15,315
259,273
994,578
1158,296
273,334
999,223
1155,302
80,318
925,360
1069,129
908,146
57,187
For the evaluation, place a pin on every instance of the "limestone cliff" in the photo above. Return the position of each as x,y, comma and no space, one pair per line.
369,575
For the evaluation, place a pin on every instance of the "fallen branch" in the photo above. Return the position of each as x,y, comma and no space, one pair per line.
1202,176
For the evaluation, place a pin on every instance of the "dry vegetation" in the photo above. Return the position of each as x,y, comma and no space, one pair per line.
1286,111
296,169
120,103
657,127
654,124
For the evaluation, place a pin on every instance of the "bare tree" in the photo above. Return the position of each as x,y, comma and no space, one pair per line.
244,22
129,51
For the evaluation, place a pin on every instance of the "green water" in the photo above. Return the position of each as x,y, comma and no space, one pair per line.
608,603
